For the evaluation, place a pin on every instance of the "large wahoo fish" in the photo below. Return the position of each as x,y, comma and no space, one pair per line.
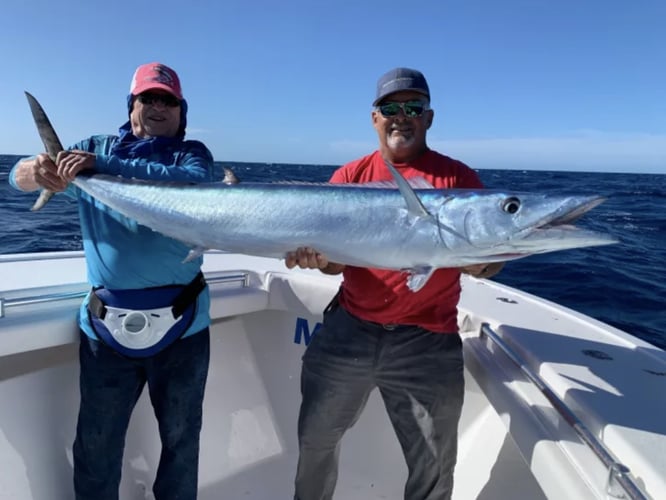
416,230
405,226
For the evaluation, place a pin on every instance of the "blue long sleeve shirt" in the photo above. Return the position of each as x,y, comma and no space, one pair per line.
122,254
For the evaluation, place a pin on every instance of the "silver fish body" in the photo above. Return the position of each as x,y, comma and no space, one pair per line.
352,224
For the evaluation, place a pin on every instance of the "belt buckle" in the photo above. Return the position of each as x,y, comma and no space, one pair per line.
390,326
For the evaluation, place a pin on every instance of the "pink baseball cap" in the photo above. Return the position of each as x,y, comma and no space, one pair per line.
155,76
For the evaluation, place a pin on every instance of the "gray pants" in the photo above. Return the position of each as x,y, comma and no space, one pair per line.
420,377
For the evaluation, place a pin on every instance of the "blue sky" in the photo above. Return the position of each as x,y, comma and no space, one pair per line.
529,84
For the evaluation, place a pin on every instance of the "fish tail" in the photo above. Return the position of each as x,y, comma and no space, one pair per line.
42,200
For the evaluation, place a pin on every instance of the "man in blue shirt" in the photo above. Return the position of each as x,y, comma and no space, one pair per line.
137,275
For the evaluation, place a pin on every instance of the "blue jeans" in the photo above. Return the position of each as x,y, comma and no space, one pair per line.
110,386
420,377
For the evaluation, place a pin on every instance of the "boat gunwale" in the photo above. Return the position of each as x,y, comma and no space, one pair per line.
619,475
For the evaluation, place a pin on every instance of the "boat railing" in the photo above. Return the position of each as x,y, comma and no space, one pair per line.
240,279
620,483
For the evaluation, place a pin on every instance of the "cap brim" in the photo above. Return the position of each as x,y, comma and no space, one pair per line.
140,89
380,99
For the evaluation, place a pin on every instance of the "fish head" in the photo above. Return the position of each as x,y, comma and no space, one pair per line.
498,225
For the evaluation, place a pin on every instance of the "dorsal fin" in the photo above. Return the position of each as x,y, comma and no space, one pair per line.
414,205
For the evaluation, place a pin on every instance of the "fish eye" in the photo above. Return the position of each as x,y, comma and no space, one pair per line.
511,205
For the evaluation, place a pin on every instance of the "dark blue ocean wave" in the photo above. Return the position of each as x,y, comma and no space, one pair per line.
623,285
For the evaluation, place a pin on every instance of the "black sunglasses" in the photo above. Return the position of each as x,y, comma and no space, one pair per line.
166,99
411,109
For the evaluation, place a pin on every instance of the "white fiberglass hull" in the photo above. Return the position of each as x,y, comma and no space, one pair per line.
513,441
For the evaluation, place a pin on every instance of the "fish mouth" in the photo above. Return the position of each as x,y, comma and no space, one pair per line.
563,218
574,214
557,232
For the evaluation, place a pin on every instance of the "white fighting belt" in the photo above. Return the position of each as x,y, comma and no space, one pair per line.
136,329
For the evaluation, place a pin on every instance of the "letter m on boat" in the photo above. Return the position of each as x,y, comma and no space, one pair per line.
302,331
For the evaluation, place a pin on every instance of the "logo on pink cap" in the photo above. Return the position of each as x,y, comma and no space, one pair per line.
155,76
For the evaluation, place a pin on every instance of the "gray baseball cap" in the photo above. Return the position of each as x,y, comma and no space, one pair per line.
399,79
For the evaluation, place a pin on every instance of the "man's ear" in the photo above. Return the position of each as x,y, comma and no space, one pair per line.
374,118
431,115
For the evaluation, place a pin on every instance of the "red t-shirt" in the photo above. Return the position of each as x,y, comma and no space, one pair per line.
382,296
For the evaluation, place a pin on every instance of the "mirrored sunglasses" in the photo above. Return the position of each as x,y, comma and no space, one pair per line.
411,109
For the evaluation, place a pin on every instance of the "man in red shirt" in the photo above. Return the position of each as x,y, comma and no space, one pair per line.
378,333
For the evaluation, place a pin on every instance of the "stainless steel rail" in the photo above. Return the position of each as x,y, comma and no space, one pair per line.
620,483
5,303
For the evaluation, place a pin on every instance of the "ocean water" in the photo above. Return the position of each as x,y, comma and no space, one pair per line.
623,285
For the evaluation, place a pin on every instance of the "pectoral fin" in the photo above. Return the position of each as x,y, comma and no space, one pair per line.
418,277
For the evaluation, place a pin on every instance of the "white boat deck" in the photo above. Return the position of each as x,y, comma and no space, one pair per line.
513,441
610,380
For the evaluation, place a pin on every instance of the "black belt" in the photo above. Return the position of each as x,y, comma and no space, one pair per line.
394,326
188,294
390,327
